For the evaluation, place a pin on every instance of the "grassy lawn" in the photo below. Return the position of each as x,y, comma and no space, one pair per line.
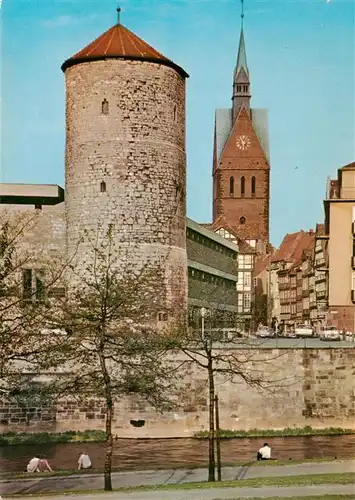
312,479
309,479
240,463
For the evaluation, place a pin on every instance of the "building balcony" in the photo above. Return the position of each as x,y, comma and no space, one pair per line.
284,286
313,305
321,294
319,278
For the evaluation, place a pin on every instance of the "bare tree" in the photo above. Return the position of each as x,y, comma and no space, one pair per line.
215,344
22,297
104,340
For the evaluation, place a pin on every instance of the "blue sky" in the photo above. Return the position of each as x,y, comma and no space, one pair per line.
301,62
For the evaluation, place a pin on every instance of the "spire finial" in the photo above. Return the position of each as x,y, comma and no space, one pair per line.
118,14
242,14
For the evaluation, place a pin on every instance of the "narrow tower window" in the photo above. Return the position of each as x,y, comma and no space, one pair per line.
253,185
242,186
245,87
231,186
103,187
242,220
175,113
104,107
239,88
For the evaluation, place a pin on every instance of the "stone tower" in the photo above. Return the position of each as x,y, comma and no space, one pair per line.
241,171
125,157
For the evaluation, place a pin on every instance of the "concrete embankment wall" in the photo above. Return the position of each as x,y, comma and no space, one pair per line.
309,387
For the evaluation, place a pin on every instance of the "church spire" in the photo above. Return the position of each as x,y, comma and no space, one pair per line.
241,82
242,56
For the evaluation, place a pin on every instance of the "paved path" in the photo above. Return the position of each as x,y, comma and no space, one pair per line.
215,493
154,477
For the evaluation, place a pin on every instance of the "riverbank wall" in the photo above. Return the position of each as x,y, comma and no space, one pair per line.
309,386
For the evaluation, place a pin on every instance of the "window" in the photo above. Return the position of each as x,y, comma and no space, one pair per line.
103,187
242,186
239,88
253,186
240,302
242,220
245,261
231,186
247,302
163,316
245,88
104,107
175,113
26,283
247,279
38,206
33,286
39,279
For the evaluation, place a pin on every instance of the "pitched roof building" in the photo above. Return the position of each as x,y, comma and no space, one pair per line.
241,162
119,42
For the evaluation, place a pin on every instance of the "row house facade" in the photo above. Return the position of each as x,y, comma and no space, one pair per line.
303,287
339,237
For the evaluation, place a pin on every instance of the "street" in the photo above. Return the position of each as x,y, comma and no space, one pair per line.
163,477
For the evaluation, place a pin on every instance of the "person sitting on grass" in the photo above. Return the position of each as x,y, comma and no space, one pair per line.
84,461
38,464
264,453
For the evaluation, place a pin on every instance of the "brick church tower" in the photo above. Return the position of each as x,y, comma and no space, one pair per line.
241,170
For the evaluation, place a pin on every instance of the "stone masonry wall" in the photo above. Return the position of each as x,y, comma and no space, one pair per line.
137,148
317,390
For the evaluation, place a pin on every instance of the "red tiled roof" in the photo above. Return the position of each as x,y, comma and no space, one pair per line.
293,245
220,223
261,263
349,166
120,43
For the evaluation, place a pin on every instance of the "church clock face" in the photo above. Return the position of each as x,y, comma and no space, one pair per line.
243,142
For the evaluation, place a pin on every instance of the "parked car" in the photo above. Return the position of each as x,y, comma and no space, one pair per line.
289,334
304,331
265,332
330,333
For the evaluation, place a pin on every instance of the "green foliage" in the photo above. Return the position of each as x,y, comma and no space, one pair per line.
304,431
12,438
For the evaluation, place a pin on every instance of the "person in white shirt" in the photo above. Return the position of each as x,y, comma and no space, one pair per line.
38,464
264,453
84,461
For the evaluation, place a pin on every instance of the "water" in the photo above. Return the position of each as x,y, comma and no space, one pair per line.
137,454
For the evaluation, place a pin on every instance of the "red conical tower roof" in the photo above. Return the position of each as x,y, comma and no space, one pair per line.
120,43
